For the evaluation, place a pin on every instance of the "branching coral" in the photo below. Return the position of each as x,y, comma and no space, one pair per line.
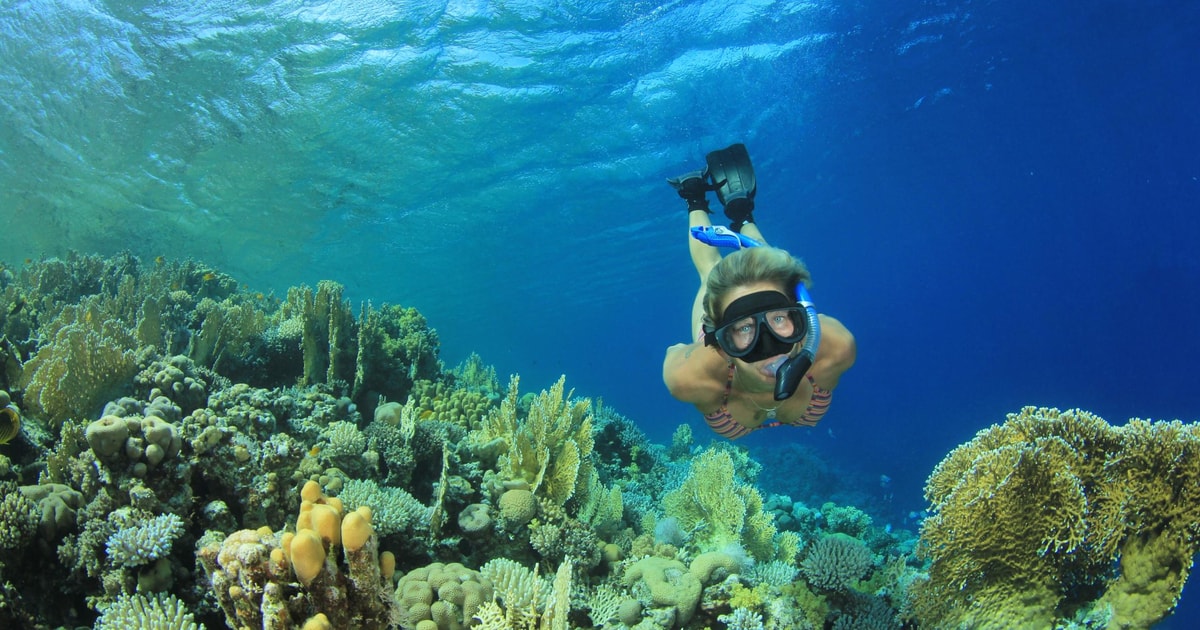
835,562
144,541
1030,516
156,612
395,509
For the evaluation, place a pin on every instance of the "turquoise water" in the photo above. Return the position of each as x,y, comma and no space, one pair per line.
999,199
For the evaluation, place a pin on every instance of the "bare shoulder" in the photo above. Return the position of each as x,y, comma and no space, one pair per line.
690,372
836,354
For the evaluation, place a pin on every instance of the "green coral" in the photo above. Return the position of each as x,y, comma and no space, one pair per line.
1029,518
475,376
396,347
326,328
815,607
719,510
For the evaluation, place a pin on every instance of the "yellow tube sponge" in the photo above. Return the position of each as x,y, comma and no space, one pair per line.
356,529
308,555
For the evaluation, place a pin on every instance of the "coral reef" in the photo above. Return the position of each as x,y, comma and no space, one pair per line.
1030,517
324,471
158,612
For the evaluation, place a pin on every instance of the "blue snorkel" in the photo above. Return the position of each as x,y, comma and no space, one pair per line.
789,375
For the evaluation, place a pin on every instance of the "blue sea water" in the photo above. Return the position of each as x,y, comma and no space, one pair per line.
1000,199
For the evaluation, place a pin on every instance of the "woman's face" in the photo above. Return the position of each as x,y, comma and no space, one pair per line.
770,364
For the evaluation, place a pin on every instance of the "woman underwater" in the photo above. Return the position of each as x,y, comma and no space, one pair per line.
752,318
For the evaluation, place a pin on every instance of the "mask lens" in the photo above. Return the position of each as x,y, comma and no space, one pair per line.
740,338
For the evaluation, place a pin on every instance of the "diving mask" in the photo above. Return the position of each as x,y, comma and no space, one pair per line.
759,326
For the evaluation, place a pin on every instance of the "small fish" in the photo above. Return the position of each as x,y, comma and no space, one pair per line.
259,295
208,276
16,308
28,261
158,260
425,415
315,450
10,423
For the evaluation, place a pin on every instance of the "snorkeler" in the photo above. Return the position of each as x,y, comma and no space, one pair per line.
762,357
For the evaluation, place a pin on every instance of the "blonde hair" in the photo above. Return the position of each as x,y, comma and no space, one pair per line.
749,266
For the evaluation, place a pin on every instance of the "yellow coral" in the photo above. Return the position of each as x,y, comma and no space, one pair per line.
1029,516
549,449
720,510
87,360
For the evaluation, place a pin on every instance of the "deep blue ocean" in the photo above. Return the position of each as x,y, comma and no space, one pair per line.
1001,200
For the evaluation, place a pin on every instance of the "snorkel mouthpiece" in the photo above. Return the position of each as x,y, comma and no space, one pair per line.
789,375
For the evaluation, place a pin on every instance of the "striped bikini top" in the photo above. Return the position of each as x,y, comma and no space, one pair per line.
722,422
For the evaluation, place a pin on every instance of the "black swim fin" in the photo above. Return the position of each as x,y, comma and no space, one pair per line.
733,178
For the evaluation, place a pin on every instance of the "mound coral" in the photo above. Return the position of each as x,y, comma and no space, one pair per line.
447,595
1030,517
